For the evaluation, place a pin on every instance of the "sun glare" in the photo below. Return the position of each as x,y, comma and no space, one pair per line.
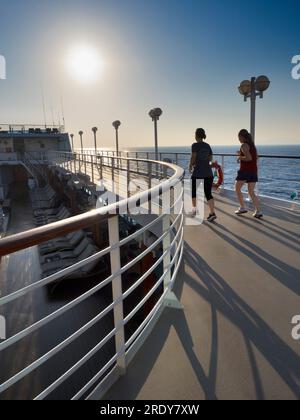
85,64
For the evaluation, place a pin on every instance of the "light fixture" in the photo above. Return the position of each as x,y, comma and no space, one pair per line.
251,90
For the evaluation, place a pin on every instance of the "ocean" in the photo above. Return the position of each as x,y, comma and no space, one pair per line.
277,177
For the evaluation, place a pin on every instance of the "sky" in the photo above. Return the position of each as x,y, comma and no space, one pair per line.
187,57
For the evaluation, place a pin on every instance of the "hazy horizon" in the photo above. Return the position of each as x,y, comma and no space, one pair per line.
186,57
282,145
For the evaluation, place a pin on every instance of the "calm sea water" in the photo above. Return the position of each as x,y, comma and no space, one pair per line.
278,177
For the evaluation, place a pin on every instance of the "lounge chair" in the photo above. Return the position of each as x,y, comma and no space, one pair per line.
42,197
67,253
63,214
40,205
41,192
48,212
54,267
68,242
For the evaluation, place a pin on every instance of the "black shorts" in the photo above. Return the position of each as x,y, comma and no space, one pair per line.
208,184
249,177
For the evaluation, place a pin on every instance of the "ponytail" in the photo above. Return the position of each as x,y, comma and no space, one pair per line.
247,137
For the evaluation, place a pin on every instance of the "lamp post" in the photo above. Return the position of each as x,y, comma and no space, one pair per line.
94,130
72,140
117,124
81,141
155,114
252,89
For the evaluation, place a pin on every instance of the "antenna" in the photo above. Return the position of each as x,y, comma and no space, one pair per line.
44,105
62,107
52,113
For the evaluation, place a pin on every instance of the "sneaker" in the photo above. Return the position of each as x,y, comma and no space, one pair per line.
258,215
193,213
241,211
212,217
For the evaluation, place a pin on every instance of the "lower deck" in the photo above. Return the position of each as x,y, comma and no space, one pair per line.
21,269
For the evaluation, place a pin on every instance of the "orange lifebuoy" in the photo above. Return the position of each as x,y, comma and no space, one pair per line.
219,169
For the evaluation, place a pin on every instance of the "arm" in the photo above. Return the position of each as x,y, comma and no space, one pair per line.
193,161
211,155
246,155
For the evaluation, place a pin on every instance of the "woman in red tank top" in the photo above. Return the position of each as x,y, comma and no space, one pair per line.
248,173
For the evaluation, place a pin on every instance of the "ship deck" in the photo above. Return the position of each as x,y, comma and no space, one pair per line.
239,285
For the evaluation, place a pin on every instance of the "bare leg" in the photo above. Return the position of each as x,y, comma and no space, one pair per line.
254,198
194,202
238,188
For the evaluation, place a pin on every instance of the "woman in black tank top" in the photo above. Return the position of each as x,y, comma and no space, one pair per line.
201,170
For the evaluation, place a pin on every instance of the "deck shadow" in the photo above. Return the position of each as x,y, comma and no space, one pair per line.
257,334
129,386
255,224
284,273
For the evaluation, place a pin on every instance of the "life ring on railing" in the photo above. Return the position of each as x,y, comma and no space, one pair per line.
219,174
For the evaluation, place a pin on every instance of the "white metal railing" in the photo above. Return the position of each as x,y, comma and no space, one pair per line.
9,157
26,128
167,177
279,175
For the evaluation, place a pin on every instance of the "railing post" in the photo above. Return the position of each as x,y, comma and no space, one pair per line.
84,156
166,245
115,261
101,167
113,169
128,178
171,300
223,168
150,184
75,160
137,163
92,164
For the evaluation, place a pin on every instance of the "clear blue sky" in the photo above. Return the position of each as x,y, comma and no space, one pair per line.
187,57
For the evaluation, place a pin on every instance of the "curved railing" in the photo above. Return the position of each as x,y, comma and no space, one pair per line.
278,174
160,181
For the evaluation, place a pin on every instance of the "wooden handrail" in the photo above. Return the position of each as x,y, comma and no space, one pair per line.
45,233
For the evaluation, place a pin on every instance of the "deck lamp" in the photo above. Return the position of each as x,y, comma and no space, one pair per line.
94,130
72,140
116,125
155,114
251,89
81,141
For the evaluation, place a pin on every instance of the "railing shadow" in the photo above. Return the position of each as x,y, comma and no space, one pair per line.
284,273
223,299
283,214
256,332
130,386
276,228
264,223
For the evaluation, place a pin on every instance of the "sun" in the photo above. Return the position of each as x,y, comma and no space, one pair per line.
85,64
